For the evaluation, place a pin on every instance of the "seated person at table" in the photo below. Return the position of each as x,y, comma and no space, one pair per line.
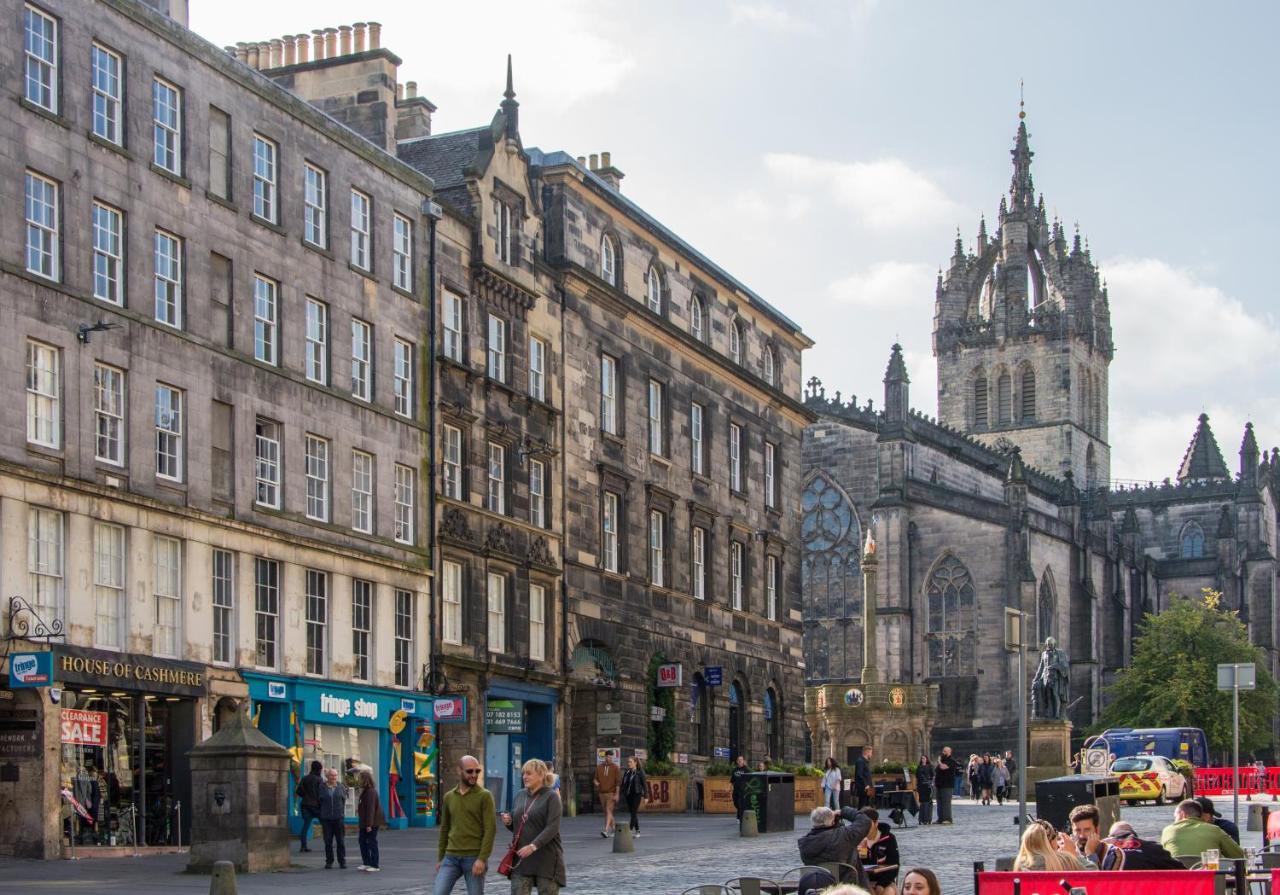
1190,834
1043,849
1212,816
883,853
1140,854
832,840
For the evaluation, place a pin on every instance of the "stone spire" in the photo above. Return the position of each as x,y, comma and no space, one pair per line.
1203,460
1021,189
511,108
1249,458
897,396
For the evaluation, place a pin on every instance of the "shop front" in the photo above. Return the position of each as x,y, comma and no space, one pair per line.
519,724
123,724
351,727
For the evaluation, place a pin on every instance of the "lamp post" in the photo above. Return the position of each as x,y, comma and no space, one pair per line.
870,675
1015,621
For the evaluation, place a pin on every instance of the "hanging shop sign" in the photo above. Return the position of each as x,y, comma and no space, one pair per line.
720,752
449,709
81,728
670,675
30,669
127,671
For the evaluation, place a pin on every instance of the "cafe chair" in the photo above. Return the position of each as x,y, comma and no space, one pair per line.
1188,861
752,885
798,872
708,889
841,871
1270,860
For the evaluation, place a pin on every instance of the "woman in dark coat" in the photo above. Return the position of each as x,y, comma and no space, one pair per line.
369,812
924,789
635,790
540,852
984,778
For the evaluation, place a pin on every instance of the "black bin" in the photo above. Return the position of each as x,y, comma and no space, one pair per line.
772,796
1057,796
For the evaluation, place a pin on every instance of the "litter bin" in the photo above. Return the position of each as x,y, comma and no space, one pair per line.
772,796
1056,797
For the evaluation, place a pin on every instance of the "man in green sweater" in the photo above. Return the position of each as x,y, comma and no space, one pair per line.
1190,834
467,826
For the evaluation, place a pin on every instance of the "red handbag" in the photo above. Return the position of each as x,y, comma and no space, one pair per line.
511,859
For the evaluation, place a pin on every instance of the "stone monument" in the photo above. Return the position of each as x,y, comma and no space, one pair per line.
1049,734
239,796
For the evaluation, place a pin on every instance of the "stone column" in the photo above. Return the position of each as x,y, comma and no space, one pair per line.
870,674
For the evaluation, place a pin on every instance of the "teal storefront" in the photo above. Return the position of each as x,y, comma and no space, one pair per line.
332,722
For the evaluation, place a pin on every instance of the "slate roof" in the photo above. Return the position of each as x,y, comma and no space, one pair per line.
446,159
541,159
1203,460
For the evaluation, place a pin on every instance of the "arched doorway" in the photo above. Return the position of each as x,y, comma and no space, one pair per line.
773,724
737,717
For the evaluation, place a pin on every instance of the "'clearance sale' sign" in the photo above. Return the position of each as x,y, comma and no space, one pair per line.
80,728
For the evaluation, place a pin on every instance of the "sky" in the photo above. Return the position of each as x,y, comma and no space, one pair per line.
826,152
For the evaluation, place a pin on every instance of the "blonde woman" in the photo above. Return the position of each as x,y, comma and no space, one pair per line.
1039,851
535,820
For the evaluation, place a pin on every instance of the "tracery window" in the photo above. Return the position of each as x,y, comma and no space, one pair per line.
952,636
1045,609
1192,541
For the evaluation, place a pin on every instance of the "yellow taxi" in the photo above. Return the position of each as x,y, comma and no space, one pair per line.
1149,778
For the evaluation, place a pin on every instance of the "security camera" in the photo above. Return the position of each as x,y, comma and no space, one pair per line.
55,695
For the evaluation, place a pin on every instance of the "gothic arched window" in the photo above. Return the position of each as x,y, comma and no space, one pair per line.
1028,394
653,288
737,720
770,366
1004,397
697,319
700,714
980,415
608,260
735,341
1045,609
1192,541
953,629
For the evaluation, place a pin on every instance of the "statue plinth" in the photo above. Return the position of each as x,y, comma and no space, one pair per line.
1048,750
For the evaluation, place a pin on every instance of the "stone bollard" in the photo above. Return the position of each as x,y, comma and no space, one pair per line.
223,881
748,826
622,841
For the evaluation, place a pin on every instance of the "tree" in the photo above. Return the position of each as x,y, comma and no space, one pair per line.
661,738
1173,681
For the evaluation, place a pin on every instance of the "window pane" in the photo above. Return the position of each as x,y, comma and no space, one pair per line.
44,395
317,359
166,109
40,48
362,491
264,319
168,278
108,411
267,463
108,254
360,231
43,234
315,215
317,475
168,432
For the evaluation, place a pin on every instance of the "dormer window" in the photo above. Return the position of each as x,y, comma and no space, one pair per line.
698,319
735,341
504,233
653,289
608,261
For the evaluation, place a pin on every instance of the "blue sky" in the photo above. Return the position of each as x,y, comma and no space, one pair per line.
825,152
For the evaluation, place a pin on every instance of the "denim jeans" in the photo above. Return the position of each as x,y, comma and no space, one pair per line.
334,836
369,847
308,815
453,868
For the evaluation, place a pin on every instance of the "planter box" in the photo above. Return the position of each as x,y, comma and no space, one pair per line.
717,796
893,781
667,795
808,794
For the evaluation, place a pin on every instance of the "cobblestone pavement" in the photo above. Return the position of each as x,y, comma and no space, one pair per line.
672,854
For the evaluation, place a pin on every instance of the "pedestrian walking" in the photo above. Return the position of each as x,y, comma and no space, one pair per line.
1011,765
635,789
738,779
369,815
999,780
606,781
862,778
832,780
467,828
308,791
971,774
986,769
944,783
333,812
924,789
539,852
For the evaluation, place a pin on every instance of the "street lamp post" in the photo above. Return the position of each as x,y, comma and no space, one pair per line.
1015,638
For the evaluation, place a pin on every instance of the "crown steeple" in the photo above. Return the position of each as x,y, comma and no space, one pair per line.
510,108
1203,460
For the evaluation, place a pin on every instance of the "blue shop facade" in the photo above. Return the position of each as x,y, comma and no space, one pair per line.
391,732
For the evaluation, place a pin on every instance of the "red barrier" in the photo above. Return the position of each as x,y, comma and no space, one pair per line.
1101,882
1218,781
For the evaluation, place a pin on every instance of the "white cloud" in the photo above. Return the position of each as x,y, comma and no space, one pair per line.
886,193
1183,346
767,16
771,207
889,284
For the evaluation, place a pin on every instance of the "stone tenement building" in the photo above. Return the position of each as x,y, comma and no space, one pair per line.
213,322
982,510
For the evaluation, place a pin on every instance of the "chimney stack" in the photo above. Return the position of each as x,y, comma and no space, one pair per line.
411,90
608,173
593,161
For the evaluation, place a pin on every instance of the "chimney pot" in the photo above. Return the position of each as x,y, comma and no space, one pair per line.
604,160
399,92
344,40
595,161
330,43
582,160
277,52
242,52
253,56
290,50
360,30
411,89
230,51
304,45
317,43
375,35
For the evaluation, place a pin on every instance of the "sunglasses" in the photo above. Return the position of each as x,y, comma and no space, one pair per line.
471,770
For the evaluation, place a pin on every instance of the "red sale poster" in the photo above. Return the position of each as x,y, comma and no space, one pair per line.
81,728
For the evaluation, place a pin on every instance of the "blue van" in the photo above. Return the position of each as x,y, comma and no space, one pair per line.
1186,743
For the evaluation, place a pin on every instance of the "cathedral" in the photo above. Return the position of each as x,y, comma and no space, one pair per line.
1005,502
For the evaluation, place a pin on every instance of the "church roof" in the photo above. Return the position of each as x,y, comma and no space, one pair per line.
1203,460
